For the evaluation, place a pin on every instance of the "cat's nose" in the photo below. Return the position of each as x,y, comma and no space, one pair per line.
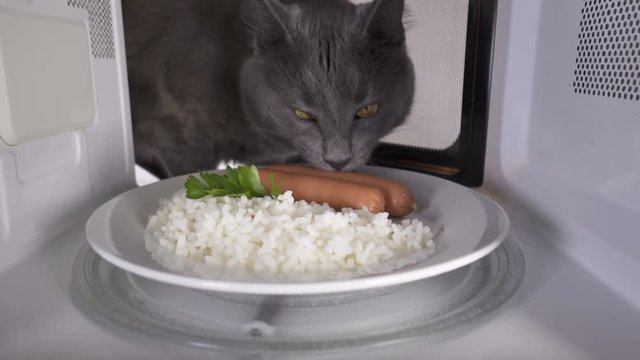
337,163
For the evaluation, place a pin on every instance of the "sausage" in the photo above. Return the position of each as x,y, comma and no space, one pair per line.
398,198
338,194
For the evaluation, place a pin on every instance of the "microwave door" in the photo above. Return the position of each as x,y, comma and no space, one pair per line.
451,46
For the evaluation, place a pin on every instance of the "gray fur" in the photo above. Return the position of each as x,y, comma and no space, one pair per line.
214,80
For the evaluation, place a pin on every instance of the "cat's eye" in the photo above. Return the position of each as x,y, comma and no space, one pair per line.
303,115
367,111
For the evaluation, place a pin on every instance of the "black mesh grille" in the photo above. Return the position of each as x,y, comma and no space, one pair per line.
100,26
609,49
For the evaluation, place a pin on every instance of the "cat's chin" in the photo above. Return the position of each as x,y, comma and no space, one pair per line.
327,167
352,167
321,166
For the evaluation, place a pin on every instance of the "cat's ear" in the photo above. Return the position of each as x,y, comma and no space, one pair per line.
269,23
383,21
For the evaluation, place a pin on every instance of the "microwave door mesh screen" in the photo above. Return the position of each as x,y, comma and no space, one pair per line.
436,41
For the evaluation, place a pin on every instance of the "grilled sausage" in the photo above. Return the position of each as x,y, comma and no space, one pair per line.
338,194
398,198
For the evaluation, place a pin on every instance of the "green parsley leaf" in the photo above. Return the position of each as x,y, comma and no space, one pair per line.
250,180
234,179
214,181
243,180
195,188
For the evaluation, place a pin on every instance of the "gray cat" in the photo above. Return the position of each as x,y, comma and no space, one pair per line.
264,81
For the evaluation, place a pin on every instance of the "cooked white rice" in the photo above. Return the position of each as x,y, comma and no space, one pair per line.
276,239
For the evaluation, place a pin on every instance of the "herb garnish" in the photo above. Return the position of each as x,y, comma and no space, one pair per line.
243,180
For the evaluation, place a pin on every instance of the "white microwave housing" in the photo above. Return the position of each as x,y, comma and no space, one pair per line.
563,158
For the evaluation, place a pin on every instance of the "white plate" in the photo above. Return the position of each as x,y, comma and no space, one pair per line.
468,225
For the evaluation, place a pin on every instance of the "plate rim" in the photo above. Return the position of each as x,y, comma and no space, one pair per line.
104,247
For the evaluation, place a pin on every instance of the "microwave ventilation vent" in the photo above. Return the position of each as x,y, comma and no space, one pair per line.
608,60
100,26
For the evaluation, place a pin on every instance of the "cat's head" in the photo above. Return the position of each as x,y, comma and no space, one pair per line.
327,77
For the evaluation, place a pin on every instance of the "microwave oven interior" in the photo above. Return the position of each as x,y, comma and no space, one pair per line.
450,44
537,101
